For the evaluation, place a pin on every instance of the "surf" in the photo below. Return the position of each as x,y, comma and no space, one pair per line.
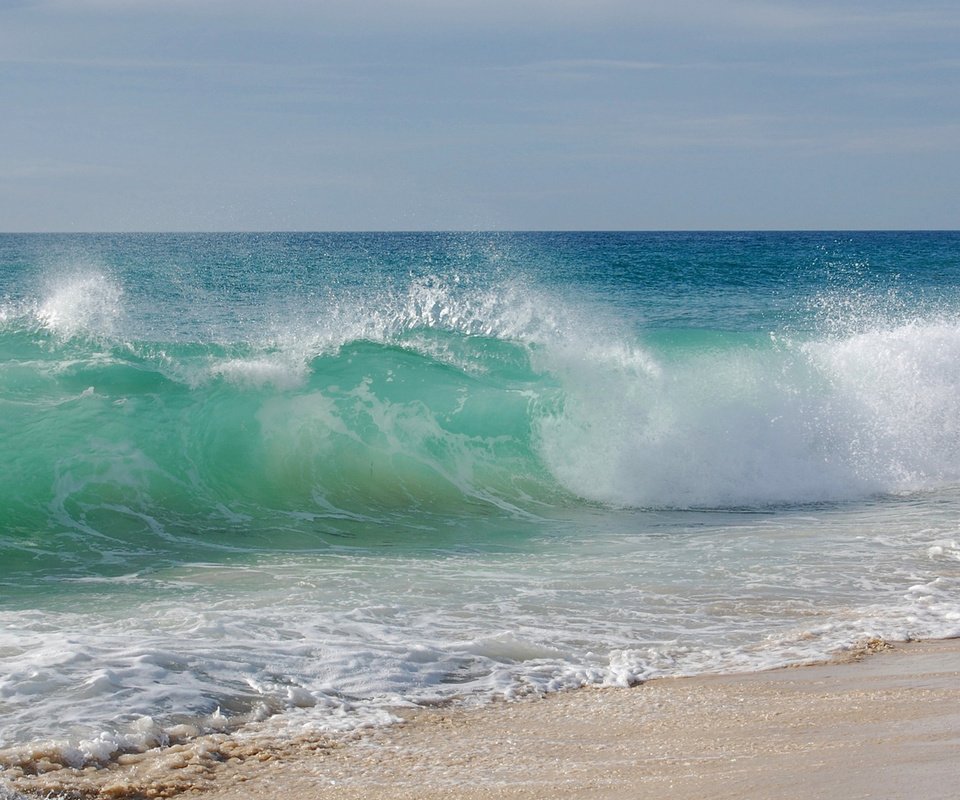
310,478
455,407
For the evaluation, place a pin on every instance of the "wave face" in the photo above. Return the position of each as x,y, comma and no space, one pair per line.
189,421
463,393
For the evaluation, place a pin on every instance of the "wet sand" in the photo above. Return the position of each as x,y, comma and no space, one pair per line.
877,726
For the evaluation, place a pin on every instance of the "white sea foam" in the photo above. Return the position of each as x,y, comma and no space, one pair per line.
829,419
335,641
895,394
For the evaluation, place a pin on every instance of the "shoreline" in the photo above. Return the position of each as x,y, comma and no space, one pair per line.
868,725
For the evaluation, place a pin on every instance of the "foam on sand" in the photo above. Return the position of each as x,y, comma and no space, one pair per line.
841,729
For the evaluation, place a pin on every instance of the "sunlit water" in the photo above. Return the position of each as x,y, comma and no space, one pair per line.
309,478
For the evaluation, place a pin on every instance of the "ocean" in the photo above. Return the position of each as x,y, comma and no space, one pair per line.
299,481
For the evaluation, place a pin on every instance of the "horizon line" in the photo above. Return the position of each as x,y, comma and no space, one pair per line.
461,231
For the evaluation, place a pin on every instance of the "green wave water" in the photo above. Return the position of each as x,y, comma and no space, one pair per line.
114,453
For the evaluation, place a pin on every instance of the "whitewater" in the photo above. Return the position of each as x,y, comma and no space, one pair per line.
298,481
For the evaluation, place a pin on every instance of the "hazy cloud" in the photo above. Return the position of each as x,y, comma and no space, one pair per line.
156,114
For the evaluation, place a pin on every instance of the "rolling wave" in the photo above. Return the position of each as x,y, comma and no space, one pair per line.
451,404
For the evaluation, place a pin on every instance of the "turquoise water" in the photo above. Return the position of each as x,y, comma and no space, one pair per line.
305,478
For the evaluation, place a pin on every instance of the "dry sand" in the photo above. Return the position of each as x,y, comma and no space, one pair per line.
884,726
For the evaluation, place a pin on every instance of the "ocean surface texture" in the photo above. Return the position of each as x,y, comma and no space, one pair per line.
300,480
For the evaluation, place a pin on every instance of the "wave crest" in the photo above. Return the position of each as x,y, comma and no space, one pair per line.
453,395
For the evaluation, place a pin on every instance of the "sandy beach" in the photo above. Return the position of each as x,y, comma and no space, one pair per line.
878,725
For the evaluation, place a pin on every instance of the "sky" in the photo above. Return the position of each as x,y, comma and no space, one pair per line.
152,115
